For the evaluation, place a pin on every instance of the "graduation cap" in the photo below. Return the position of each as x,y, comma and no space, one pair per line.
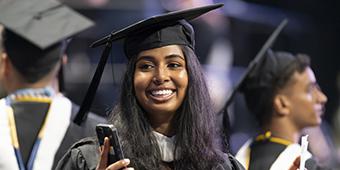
156,31
36,30
265,75
259,58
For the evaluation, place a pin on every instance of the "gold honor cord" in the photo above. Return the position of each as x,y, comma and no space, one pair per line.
248,158
27,98
263,137
13,129
268,136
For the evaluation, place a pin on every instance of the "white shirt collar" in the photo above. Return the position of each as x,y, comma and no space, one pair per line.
166,146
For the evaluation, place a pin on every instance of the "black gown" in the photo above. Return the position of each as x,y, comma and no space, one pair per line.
84,155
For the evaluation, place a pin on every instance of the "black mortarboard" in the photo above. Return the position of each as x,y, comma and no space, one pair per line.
156,31
36,29
266,73
250,69
260,56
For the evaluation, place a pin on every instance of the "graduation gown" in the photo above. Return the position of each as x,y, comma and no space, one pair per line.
84,155
58,135
269,155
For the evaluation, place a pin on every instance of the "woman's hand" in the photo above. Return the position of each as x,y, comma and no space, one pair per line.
102,165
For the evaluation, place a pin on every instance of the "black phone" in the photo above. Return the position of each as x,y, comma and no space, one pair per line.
108,130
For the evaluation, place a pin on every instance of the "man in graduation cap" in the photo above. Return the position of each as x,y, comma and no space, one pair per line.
36,119
283,93
165,118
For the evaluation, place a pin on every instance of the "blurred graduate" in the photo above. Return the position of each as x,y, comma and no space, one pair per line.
283,93
36,126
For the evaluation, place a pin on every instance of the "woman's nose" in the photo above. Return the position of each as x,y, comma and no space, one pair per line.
161,76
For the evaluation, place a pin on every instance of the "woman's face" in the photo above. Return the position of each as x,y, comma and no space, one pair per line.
161,79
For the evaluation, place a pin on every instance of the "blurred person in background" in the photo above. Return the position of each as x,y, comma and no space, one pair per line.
283,93
36,118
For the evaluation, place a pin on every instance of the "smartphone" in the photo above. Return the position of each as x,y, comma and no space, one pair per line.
108,130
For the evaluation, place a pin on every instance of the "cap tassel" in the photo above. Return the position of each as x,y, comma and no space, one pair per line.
87,102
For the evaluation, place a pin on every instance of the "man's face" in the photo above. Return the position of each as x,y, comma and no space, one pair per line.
306,100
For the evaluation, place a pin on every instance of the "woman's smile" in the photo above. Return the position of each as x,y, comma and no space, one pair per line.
161,95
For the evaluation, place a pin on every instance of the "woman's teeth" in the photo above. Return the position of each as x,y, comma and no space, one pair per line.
161,92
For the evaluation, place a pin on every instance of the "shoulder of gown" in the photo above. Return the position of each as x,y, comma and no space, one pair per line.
83,155
75,132
230,163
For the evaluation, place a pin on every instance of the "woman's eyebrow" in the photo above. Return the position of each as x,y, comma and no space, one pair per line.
148,58
174,56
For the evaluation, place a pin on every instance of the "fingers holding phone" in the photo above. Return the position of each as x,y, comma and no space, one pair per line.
104,151
103,161
111,154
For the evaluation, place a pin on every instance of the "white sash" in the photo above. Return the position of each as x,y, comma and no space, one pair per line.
283,162
57,123
243,155
286,158
7,155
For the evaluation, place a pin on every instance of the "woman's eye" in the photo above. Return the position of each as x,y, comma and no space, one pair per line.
174,65
145,66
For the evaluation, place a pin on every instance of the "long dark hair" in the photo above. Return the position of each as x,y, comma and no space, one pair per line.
197,144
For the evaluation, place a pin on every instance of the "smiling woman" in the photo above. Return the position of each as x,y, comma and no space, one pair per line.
165,116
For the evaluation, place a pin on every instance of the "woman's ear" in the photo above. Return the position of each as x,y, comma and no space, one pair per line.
7,68
281,105
3,63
